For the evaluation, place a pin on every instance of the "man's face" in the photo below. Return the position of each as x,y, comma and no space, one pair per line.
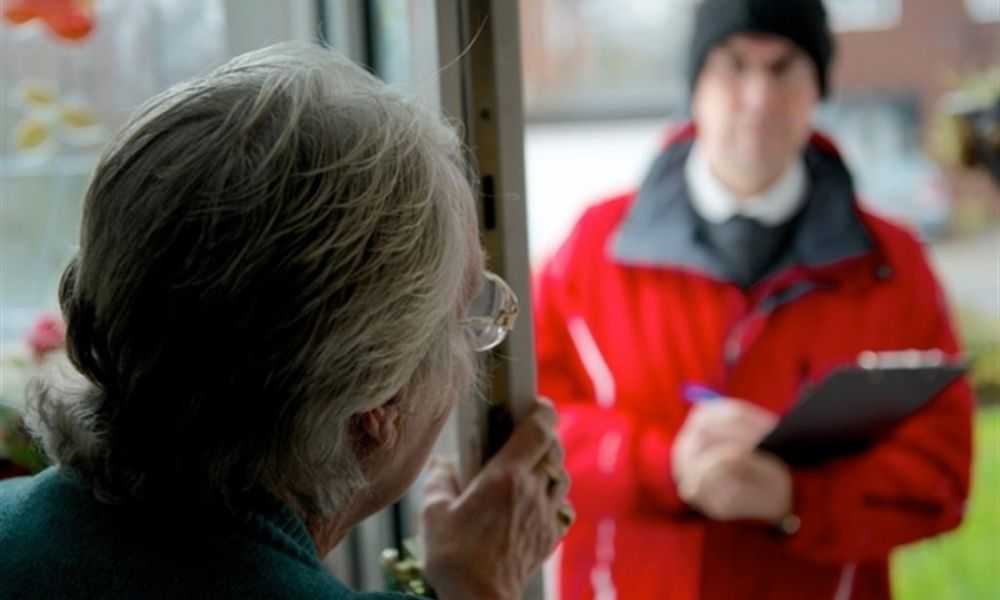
752,105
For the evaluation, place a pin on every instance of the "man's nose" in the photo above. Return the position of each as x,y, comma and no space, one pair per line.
759,91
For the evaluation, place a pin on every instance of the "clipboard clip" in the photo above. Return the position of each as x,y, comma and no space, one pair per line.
902,359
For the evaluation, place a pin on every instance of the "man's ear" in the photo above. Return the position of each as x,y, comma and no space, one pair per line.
379,428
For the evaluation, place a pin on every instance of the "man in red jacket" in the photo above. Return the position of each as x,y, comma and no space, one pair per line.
743,264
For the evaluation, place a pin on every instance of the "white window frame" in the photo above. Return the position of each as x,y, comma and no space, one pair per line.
478,86
864,15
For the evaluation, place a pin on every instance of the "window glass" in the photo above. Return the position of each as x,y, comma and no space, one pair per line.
65,88
391,41
864,15
984,11
404,43
587,58
599,59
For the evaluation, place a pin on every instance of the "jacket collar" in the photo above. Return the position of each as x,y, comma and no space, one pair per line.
660,227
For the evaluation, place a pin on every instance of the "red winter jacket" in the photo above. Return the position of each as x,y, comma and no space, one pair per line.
632,308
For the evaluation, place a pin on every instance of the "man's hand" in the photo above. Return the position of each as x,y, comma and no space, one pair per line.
727,482
722,422
487,540
716,469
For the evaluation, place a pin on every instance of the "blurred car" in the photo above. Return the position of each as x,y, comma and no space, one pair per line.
911,190
881,141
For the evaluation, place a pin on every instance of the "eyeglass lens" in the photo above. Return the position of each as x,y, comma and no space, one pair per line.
491,302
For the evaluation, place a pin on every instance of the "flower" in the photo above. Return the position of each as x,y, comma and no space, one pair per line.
47,334
41,347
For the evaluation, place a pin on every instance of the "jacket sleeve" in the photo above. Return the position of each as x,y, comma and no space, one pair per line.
618,460
910,486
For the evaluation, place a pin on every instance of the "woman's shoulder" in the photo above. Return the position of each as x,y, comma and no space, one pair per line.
25,500
61,542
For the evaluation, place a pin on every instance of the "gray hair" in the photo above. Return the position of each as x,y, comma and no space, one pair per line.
265,252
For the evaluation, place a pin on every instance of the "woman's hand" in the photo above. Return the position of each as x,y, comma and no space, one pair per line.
487,540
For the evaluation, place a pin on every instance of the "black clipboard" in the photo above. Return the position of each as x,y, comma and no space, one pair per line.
855,405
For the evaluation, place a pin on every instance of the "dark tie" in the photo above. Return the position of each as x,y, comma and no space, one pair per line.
747,247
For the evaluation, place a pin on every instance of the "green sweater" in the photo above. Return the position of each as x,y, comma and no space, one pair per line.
58,541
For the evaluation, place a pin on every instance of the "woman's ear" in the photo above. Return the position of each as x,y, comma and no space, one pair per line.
379,428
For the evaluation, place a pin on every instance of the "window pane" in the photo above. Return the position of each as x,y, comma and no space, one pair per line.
864,15
985,11
62,93
591,57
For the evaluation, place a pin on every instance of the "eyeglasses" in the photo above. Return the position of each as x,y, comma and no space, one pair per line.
492,313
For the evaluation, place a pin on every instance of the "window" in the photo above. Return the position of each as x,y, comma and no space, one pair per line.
586,59
62,93
864,15
984,11
595,58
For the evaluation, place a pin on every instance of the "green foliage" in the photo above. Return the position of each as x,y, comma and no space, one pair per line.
967,91
981,341
15,443
963,564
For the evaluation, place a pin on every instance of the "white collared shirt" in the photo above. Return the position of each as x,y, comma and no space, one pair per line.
716,204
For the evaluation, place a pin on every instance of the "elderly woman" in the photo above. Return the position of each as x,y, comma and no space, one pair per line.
275,304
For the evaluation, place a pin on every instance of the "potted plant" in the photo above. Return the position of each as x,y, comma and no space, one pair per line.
43,345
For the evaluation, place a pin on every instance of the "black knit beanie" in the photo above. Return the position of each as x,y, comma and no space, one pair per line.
803,22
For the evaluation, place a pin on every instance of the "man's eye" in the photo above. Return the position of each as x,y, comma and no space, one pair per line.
731,63
782,67
790,68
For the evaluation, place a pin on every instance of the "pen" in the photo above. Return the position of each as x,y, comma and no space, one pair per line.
694,393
